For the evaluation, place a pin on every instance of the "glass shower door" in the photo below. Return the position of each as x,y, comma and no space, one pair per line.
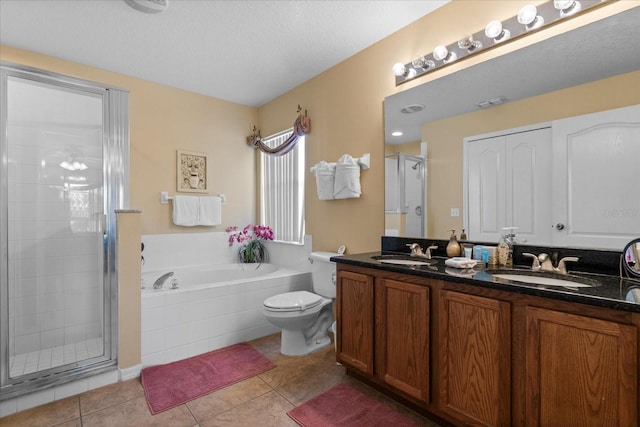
56,290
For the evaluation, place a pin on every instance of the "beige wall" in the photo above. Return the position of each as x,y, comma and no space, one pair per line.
445,137
162,120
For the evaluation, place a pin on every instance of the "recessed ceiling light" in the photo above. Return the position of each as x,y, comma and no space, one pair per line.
396,133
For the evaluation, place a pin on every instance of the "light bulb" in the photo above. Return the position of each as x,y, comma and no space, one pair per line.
528,16
567,7
423,63
440,52
399,69
495,31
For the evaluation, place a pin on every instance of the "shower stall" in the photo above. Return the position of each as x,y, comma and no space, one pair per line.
64,152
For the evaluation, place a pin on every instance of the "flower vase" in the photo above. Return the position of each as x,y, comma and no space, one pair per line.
252,252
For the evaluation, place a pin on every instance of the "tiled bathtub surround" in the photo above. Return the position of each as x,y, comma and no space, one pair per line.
180,324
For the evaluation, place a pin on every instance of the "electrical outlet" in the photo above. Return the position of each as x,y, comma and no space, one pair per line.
455,212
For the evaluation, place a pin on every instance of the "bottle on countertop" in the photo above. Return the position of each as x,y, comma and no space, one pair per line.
453,247
463,236
505,246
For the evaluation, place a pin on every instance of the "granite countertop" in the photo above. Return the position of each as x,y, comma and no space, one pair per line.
612,292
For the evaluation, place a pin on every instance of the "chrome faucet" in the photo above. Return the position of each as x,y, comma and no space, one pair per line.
562,268
416,250
542,262
160,280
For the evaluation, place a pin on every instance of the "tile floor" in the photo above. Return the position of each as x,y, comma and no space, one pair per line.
262,400
28,363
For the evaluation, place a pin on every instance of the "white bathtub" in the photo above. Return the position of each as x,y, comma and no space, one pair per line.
200,277
213,306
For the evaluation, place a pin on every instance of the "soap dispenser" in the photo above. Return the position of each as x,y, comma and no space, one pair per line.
453,247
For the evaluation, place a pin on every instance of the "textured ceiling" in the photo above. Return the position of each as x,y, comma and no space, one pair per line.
247,52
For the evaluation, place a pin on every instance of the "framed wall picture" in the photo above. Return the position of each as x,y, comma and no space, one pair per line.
191,172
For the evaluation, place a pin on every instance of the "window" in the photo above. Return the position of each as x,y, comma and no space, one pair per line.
282,190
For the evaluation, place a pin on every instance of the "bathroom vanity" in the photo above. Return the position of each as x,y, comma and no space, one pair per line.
473,349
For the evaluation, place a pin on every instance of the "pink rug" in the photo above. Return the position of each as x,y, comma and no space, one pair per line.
170,385
345,406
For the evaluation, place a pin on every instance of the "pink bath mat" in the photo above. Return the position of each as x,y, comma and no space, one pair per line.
170,385
345,406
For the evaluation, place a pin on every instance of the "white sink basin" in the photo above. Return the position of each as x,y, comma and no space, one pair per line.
541,280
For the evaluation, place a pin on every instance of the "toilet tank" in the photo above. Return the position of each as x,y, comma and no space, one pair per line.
323,273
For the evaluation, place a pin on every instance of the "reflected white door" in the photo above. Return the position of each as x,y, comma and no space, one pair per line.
509,185
601,152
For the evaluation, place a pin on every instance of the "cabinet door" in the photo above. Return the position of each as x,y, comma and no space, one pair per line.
354,309
402,334
475,359
596,158
580,371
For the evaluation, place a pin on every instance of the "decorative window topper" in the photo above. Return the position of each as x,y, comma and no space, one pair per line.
191,172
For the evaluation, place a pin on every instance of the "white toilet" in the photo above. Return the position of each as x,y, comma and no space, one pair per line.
305,317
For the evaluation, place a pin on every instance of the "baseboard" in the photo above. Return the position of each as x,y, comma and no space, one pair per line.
129,373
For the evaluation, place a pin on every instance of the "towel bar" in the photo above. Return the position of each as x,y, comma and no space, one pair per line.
164,198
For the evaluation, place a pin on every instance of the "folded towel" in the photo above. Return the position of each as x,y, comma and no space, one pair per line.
325,178
185,210
347,180
210,211
459,262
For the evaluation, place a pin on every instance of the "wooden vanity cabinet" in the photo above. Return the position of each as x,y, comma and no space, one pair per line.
476,356
580,371
354,312
475,359
402,337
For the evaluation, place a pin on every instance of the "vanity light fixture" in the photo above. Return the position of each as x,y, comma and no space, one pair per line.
528,19
73,165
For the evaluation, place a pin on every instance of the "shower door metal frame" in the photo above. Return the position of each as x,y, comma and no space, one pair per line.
115,146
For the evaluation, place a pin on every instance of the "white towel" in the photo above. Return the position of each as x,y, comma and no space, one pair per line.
210,211
185,210
459,262
325,178
347,181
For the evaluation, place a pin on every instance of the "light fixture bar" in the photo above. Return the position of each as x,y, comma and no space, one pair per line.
529,19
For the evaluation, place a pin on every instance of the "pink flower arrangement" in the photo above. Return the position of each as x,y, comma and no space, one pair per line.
249,232
250,238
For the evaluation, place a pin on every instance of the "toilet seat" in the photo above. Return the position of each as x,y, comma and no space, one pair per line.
293,301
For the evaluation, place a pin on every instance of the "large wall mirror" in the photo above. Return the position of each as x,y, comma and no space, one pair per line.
439,114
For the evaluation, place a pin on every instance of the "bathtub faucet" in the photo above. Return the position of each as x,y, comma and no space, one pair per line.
160,281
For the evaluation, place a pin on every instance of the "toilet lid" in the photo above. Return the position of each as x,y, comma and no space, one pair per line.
293,301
